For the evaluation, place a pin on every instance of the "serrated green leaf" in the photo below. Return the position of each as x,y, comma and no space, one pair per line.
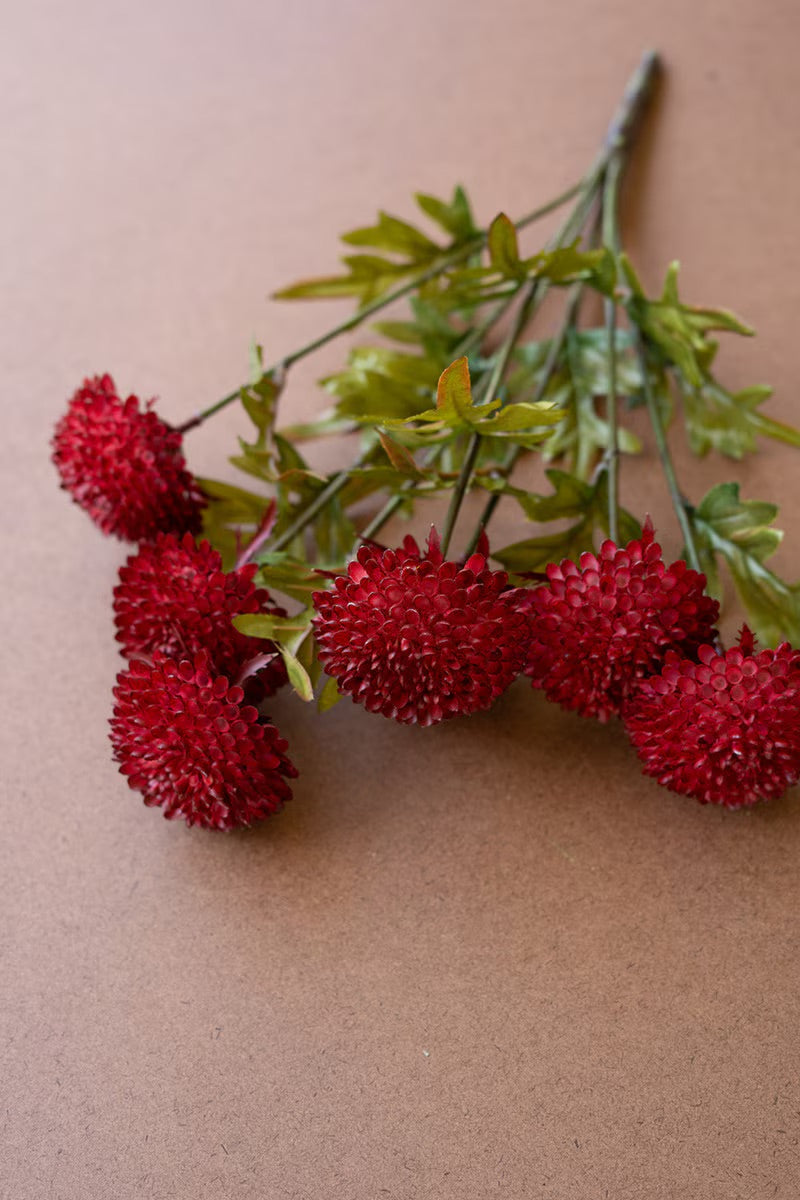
739,531
729,422
573,500
678,330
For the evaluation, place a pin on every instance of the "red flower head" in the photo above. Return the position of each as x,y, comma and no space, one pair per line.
189,744
725,730
174,597
123,465
600,626
419,639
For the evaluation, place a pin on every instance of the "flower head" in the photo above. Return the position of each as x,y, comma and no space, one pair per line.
418,638
174,597
600,626
187,742
725,730
123,465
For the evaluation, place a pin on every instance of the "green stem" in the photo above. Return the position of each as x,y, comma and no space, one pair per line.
550,365
380,302
323,498
610,236
679,502
528,302
617,137
471,342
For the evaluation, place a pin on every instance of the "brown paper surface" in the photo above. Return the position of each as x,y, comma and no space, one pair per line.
487,959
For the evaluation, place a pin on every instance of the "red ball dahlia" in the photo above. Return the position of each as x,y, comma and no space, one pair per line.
725,730
602,625
174,597
417,638
123,465
188,743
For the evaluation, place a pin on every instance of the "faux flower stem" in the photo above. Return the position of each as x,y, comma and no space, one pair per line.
679,502
528,302
551,362
380,302
320,501
618,136
470,342
610,234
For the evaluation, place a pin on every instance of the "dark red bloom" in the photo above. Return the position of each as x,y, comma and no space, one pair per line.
602,625
124,466
188,743
725,730
417,638
173,596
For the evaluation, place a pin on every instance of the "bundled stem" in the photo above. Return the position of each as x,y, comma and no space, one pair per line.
446,260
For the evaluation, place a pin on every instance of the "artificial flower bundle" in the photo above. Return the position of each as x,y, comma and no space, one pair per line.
421,635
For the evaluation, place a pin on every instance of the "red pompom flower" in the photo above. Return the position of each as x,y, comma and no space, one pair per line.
123,465
602,625
187,742
174,597
418,638
725,730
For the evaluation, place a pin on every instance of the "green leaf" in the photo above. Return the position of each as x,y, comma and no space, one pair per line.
678,330
574,500
532,554
454,392
503,248
729,422
740,532
397,236
399,457
566,264
329,695
298,675
583,435
281,573
259,401
455,218
275,629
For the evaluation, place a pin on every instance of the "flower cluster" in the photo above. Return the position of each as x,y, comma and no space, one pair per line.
606,623
123,465
620,633
420,639
406,633
173,597
186,740
185,730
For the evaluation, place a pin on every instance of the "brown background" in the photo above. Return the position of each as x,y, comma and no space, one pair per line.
487,959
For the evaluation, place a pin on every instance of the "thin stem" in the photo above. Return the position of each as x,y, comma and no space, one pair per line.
323,498
529,299
551,362
617,137
337,481
610,237
679,502
606,167
380,302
